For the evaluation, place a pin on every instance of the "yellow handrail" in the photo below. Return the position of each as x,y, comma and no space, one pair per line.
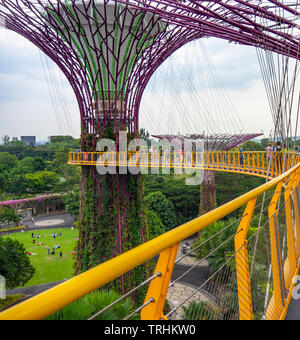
58,297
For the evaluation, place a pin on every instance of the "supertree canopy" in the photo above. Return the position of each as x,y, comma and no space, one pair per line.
108,51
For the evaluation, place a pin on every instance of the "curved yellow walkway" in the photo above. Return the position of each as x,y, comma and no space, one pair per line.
249,163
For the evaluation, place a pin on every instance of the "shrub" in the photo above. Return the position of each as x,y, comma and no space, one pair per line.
9,301
89,305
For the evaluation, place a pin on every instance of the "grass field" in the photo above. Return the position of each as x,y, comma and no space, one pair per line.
49,268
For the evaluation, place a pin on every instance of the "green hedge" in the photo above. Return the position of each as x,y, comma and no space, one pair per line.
14,229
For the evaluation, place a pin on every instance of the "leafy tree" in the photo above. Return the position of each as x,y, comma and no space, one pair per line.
155,226
62,139
17,184
8,161
164,209
185,198
230,186
72,201
26,165
15,265
252,146
42,181
264,142
8,215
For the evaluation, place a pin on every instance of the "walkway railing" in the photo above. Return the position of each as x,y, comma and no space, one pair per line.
250,162
253,280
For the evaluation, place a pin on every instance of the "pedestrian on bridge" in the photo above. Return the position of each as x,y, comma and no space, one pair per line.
269,150
241,155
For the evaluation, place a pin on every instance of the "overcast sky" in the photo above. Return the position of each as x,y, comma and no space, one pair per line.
184,96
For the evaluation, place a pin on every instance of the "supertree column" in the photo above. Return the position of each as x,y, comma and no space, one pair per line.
108,52
208,193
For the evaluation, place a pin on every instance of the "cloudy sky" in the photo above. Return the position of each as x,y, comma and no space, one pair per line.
208,86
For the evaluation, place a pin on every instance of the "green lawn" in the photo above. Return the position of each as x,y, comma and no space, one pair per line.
49,268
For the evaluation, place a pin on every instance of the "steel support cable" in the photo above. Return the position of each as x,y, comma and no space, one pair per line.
193,88
202,260
217,107
224,99
74,130
218,96
210,73
207,281
204,91
158,274
215,92
151,300
55,109
209,239
214,250
180,104
221,231
297,121
189,84
257,235
160,98
207,95
289,95
206,241
60,100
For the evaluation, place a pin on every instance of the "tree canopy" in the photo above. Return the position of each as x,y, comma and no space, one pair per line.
164,208
15,265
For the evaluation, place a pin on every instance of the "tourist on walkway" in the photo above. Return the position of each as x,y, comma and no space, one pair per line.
269,150
241,155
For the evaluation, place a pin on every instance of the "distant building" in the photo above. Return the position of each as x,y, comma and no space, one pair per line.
29,140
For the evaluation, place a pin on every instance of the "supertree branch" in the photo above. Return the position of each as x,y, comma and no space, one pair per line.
255,23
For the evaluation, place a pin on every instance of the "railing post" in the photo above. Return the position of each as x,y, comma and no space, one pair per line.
296,201
158,288
242,265
292,259
278,300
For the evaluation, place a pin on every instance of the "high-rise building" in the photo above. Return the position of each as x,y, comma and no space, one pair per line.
29,140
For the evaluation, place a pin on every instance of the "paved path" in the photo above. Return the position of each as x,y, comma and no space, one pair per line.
293,312
182,293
